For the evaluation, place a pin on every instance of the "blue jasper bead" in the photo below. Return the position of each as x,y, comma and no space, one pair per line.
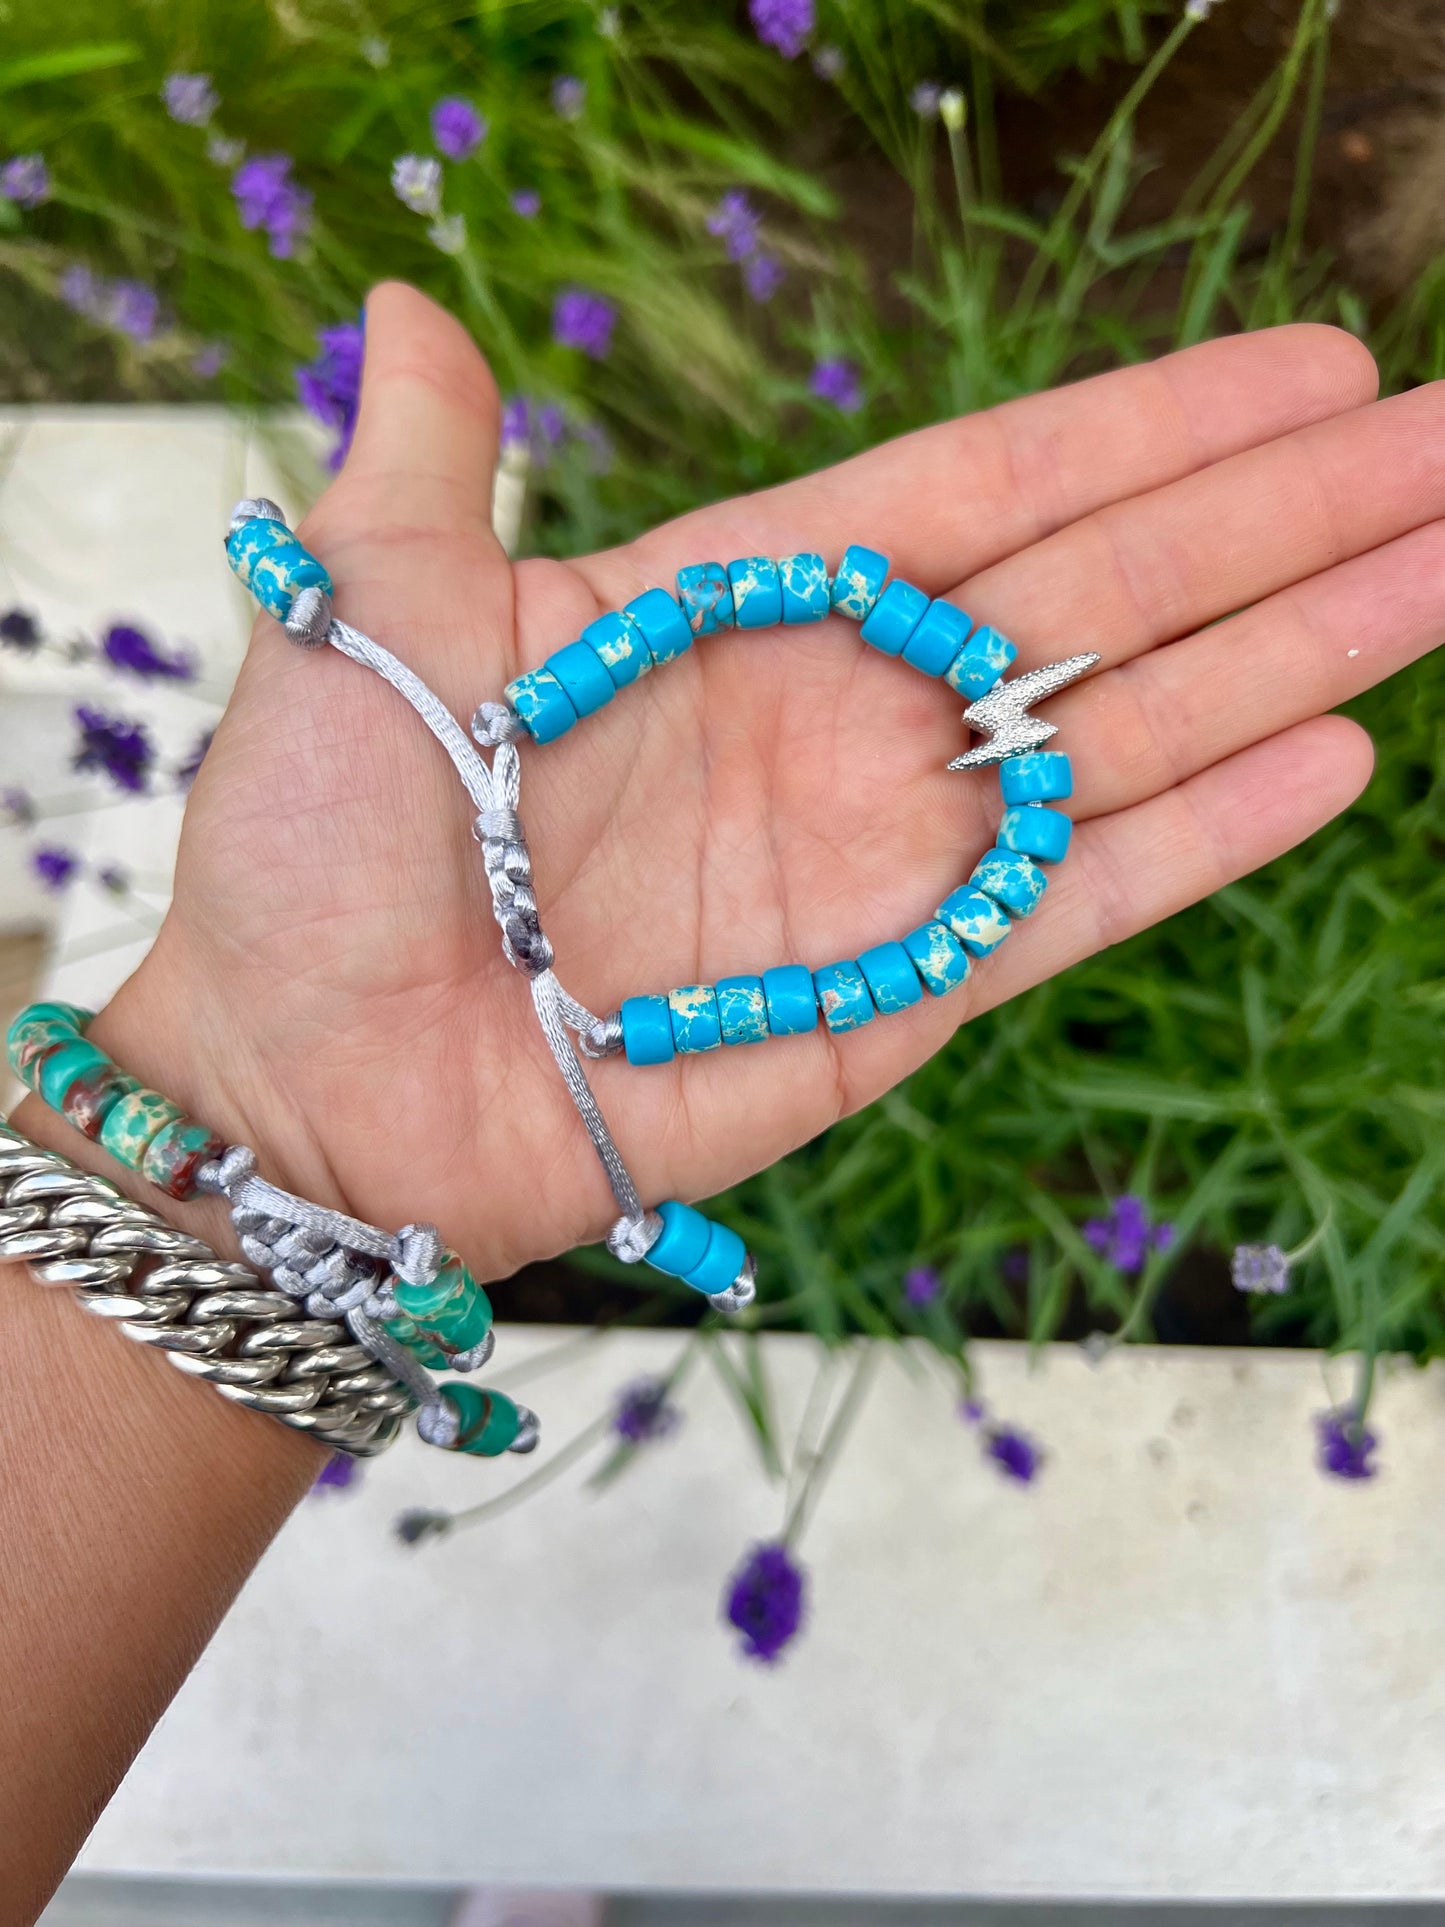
587,684
896,614
842,993
859,581
1010,880
619,646
665,626
1032,830
684,1240
695,1022
706,597
1040,777
803,580
980,663
647,1030
757,591
937,639
273,565
892,980
977,921
720,1263
791,1006
542,705
938,957
742,1010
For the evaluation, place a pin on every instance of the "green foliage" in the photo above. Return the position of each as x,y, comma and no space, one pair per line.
1268,1063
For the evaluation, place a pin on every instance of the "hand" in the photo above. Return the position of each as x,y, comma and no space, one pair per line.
329,985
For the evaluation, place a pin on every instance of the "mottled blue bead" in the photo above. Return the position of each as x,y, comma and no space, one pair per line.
803,580
892,980
665,626
1039,777
742,1010
695,1022
542,705
895,615
1011,880
980,663
757,591
582,676
706,597
789,993
647,1030
859,581
273,565
620,646
977,921
720,1263
938,957
1032,830
842,993
937,639
684,1240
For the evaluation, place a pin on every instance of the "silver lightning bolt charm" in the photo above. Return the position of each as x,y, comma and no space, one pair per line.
1003,714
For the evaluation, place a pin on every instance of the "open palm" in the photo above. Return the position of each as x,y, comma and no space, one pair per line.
329,985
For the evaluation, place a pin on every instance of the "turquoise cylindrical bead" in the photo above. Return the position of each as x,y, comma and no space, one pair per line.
91,1099
895,615
450,1310
176,1155
695,1022
938,957
1011,880
490,1421
404,1331
59,1068
134,1122
38,1029
665,626
1043,776
273,565
977,921
582,676
980,663
1032,830
842,993
859,581
683,1242
803,580
543,706
792,1008
720,1263
647,1030
742,1010
757,591
706,597
619,646
891,978
937,639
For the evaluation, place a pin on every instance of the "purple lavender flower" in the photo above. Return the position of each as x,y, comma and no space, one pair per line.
339,1471
132,309
784,24
1125,1237
224,151
113,878
924,99
527,202
922,1285
765,1601
416,181
1344,1444
735,223
330,386
115,748
457,128
1259,1268
54,867
133,651
569,97
268,198
972,1411
82,291
763,276
187,771
207,362
837,381
582,319
25,180
644,1412
1015,1454
189,98
19,630
516,422
17,806
417,1524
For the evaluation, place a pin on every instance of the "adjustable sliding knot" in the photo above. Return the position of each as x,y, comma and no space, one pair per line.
496,723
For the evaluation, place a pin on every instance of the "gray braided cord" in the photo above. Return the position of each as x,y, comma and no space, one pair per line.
212,1320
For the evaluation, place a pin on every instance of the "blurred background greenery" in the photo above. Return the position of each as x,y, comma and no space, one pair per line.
958,201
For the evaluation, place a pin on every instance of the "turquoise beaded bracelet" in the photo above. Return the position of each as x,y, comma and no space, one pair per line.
932,636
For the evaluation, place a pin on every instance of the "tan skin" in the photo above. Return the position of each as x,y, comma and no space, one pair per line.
328,985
